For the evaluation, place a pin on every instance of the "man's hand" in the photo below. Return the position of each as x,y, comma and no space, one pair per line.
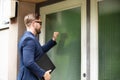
55,35
47,75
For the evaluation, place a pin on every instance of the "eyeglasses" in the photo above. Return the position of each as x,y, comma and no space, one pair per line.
39,22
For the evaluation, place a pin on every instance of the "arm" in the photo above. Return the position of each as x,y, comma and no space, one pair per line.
51,43
48,45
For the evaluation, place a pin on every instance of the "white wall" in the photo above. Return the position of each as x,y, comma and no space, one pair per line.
4,54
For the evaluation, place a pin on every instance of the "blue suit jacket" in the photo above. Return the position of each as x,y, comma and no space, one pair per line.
30,51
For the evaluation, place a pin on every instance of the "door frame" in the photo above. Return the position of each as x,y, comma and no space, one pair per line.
64,5
68,4
94,39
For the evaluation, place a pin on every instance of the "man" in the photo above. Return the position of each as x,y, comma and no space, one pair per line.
30,50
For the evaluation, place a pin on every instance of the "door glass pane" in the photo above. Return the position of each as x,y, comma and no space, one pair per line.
66,55
109,40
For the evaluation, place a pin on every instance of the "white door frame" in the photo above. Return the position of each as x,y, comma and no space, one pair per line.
94,40
68,4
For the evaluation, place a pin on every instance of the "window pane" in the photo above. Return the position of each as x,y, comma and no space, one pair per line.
4,13
109,40
67,53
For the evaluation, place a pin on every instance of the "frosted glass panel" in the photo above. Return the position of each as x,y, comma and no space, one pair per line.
67,54
109,40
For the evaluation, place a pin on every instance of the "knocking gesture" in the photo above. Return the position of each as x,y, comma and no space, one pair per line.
55,35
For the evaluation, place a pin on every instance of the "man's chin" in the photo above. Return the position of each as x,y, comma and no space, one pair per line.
39,32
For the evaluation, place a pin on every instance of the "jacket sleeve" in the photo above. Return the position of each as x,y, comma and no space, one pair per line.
28,58
48,45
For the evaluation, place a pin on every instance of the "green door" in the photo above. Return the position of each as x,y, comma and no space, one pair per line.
66,55
109,40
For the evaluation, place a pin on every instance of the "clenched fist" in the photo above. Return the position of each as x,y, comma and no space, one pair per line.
55,35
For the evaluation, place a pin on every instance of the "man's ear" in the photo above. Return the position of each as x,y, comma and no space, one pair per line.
33,24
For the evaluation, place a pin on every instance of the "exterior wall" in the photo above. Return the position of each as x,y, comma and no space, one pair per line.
4,54
16,29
